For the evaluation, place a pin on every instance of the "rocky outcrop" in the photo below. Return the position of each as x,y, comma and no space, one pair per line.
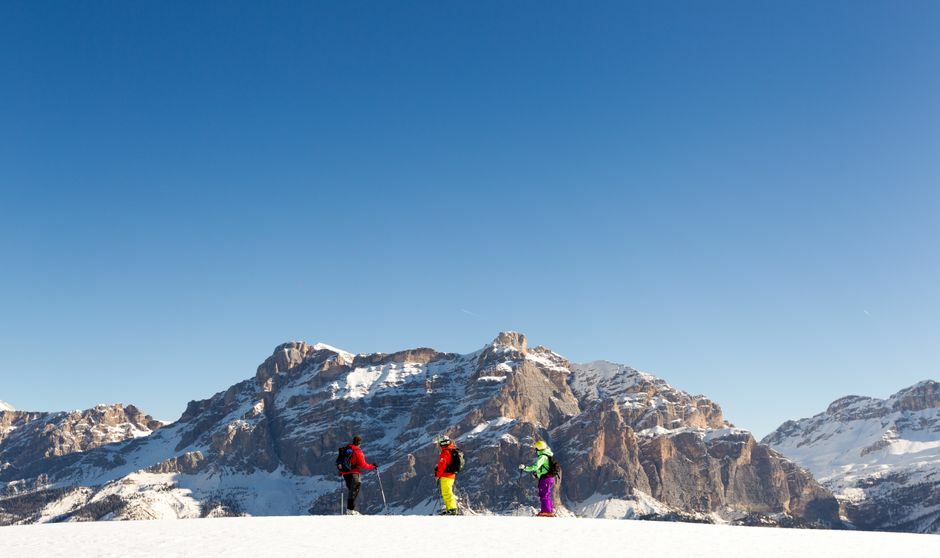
601,453
919,397
189,463
731,472
700,465
267,445
881,457
512,340
647,401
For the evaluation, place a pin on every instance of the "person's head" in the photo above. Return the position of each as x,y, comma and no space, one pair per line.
540,445
357,440
444,441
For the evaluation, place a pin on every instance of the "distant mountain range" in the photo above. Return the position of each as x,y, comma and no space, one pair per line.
630,445
881,457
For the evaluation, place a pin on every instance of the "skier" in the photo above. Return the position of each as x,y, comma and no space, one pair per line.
448,465
545,469
351,462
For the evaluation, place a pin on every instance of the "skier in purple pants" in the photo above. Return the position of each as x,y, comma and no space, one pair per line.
546,484
545,469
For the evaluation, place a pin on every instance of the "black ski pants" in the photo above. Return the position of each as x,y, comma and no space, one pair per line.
352,490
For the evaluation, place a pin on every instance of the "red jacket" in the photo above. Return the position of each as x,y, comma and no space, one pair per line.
357,462
443,461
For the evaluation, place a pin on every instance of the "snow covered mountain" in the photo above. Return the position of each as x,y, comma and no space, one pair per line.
630,445
881,457
4,406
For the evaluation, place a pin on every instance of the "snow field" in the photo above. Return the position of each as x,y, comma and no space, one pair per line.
420,537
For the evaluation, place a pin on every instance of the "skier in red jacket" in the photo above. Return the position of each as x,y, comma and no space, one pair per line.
446,475
357,463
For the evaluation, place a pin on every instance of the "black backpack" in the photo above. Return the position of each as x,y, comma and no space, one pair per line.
344,460
456,461
554,469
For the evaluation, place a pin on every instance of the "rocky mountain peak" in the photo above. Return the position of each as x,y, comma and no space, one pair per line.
4,406
844,403
297,356
920,396
511,339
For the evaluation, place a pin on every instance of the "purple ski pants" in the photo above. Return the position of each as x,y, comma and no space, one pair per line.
546,484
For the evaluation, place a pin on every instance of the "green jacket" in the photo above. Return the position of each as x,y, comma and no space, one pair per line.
540,467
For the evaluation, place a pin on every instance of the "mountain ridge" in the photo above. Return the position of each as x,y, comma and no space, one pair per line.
632,445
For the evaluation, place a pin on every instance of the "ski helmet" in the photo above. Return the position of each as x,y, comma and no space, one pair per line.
443,441
540,445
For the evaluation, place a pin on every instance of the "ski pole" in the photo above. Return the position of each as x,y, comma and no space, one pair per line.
466,502
382,491
342,496
437,497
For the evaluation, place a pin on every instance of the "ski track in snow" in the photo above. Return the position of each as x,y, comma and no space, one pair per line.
419,537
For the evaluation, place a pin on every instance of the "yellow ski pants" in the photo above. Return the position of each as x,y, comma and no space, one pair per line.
447,493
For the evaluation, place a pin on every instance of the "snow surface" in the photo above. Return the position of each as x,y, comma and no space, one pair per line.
614,507
419,537
4,406
706,434
325,347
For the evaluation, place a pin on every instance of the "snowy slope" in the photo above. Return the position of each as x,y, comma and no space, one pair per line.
881,457
427,537
4,406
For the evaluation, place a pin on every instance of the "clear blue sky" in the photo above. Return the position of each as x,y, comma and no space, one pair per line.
740,197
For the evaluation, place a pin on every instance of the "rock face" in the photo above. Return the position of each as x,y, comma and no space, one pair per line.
643,436
630,445
881,457
27,438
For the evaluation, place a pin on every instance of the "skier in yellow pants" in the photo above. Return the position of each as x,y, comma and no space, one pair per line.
448,465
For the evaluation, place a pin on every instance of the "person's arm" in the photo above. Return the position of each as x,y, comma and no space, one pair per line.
361,457
365,464
542,459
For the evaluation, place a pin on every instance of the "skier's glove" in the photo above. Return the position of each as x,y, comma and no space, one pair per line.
521,467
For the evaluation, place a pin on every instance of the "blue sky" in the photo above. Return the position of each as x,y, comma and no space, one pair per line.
740,197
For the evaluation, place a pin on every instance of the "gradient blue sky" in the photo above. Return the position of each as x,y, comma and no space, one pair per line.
740,197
